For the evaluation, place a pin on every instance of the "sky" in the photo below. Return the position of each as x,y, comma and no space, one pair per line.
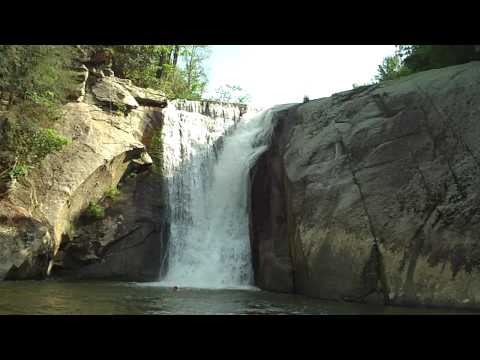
278,74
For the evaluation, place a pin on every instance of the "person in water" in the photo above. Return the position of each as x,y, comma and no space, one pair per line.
175,288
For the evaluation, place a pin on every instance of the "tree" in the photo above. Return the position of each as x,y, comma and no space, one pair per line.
391,68
39,70
178,70
139,63
196,79
231,93
39,79
410,59
425,57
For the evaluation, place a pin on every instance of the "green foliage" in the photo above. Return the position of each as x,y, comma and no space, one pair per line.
112,193
410,59
17,138
46,141
156,152
30,144
137,63
46,103
391,68
426,57
121,108
177,70
232,94
37,73
193,56
95,211
18,170
39,80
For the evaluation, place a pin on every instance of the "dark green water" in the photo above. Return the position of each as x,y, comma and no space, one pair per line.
56,297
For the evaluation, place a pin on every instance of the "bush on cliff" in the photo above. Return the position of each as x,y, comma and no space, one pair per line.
29,143
39,74
113,193
391,68
426,57
409,59
38,79
156,152
95,211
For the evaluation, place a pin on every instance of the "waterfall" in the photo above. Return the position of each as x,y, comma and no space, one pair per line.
209,243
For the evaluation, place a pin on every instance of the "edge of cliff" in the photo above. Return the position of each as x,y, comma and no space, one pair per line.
371,195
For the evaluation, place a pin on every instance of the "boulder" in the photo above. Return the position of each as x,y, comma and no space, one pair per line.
26,244
380,186
144,96
122,93
111,92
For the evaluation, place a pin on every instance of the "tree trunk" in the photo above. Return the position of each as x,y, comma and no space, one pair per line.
169,54
190,67
176,49
161,61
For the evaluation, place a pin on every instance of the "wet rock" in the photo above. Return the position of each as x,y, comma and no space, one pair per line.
26,245
130,243
268,217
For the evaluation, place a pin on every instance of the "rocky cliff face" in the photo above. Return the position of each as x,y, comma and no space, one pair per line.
121,136
268,212
372,194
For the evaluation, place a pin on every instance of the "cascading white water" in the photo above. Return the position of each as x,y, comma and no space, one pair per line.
209,235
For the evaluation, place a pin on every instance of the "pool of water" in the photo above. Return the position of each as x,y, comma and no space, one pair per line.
59,297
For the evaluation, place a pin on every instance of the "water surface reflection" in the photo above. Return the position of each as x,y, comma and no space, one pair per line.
58,297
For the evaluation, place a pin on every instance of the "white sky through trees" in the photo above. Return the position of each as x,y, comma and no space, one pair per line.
276,74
